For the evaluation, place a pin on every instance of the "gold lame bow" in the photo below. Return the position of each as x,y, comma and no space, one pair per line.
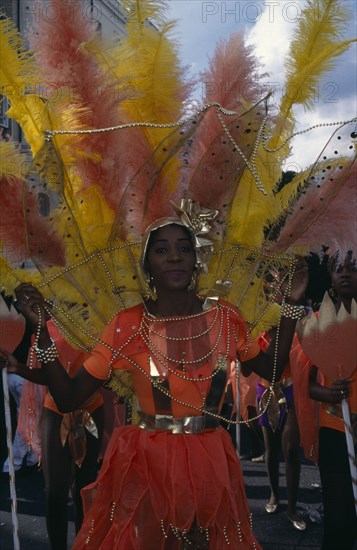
273,401
73,427
198,220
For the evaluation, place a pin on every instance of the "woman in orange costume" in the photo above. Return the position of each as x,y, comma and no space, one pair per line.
70,448
70,443
340,524
174,478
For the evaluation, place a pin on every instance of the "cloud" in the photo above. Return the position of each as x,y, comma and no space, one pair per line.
269,27
335,99
202,24
271,35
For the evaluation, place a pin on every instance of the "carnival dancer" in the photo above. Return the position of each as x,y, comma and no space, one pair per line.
340,523
132,158
174,477
25,455
70,442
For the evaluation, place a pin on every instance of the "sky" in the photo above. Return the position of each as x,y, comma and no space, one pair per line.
268,25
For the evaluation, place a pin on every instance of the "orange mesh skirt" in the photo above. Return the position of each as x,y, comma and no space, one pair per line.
160,491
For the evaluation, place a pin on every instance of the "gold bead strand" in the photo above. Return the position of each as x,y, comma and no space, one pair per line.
301,132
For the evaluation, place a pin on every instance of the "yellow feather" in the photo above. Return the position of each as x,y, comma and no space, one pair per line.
19,79
316,45
12,160
150,63
148,60
251,208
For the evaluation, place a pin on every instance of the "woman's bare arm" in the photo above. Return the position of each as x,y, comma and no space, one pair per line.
335,394
68,393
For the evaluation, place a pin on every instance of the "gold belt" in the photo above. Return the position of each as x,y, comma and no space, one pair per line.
184,425
72,427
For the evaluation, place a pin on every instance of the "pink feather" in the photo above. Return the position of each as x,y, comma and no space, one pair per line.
142,200
233,76
24,233
233,81
325,216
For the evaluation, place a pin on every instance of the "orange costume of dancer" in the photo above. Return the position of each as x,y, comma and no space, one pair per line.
71,360
175,476
313,415
35,397
327,417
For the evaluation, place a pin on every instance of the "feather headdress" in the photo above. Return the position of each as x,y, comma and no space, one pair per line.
114,161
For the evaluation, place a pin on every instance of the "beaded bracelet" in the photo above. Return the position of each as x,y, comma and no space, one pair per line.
46,355
292,312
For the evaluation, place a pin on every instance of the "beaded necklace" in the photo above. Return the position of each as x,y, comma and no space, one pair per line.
250,163
159,354
157,382
165,360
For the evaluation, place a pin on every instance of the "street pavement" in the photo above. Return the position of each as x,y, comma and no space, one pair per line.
274,531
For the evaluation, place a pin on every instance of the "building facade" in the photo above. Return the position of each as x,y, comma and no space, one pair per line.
109,15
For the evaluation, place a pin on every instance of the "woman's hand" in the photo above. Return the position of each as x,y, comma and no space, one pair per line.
339,390
30,302
8,361
336,393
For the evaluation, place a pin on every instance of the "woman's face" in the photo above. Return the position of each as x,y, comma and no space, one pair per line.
344,278
171,258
